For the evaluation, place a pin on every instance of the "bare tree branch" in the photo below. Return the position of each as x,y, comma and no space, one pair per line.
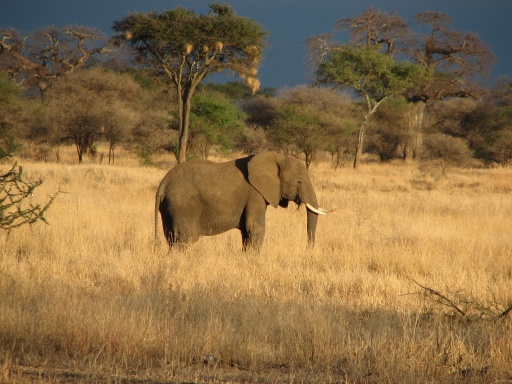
15,192
440,298
37,59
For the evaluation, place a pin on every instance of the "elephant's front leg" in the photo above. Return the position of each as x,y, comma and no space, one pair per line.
252,224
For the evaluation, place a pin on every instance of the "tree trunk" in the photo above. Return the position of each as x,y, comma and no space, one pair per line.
42,85
79,152
415,138
359,146
182,144
180,98
310,155
186,104
312,220
111,152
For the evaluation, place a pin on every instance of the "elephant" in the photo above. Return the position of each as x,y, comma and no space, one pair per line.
203,198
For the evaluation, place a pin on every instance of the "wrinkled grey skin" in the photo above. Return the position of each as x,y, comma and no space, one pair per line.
202,198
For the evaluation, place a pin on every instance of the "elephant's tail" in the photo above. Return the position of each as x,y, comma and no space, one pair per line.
158,201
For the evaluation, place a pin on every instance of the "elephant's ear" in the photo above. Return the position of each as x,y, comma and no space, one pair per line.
263,175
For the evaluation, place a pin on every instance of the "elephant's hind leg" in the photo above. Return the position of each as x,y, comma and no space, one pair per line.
169,234
180,239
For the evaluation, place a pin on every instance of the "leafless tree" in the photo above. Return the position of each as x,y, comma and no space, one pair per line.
457,59
36,59
374,27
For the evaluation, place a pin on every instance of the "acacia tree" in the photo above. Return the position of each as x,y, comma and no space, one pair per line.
215,122
308,118
39,58
366,64
375,77
90,103
185,47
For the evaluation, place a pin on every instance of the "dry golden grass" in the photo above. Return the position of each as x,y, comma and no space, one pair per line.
89,298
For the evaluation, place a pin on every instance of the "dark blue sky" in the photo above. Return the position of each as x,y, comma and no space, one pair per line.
290,23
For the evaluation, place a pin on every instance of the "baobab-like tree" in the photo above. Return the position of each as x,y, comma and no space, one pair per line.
453,62
388,32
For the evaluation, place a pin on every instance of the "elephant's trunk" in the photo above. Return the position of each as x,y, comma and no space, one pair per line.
312,218
308,197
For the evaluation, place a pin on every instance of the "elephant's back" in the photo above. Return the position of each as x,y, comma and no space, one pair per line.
203,171
203,179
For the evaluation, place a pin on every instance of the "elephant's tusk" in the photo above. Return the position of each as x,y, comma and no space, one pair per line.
326,210
313,209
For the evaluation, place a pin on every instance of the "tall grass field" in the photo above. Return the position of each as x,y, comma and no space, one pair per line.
409,281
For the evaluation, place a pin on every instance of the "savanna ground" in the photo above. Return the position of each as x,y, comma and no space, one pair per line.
408,283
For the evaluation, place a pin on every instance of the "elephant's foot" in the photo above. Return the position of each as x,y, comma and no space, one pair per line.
252,243
179,247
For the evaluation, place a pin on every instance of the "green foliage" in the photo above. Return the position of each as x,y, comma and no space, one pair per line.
446,151
234,42
309,120
502,148
9,101
483,126
8,145
451,62
215,121
239,91
489,133
368,72
142,77
372,75
9,92
146,156
296,126
16,207
506,114
233,90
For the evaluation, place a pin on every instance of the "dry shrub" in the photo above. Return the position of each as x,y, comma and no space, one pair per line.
89,298
446,151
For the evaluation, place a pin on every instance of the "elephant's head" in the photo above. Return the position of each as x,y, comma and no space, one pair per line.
280,179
